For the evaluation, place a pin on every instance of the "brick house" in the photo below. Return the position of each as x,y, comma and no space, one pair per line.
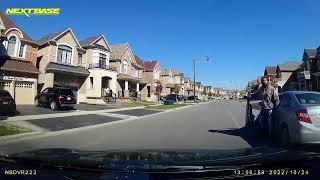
130,73
18,58
151,75
284,71
60,61
170,78
102,75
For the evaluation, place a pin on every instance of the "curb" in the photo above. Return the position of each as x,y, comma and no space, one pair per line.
6,139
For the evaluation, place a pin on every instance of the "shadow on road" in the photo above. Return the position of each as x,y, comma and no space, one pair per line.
253,135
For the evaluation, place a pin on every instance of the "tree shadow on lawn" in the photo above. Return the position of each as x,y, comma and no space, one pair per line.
252,135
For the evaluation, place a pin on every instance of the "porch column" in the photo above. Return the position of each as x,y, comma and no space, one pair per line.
126,89
138,87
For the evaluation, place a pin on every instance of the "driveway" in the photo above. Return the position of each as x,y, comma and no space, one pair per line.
70,122
23,110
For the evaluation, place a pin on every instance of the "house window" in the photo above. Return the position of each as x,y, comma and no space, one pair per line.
64,54
79,58
91,82
12,42
124,67
136,72
102,60
21,49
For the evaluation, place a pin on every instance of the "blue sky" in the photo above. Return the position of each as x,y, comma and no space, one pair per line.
241,37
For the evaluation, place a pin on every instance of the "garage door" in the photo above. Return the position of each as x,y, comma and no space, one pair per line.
24,93
5,85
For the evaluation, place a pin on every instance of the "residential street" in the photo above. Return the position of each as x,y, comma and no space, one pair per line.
212,125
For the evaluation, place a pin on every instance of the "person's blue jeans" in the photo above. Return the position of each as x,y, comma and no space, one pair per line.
265,118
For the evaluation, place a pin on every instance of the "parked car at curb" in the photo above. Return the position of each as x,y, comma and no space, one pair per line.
297,118
193,97
56,98
182,98
7,104
171,97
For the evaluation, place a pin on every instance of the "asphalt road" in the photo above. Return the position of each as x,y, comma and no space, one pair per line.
213,125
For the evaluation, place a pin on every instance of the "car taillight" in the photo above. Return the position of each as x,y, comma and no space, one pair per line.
303,116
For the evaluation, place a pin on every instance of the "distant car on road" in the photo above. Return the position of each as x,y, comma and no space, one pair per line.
297,118
7,104
56,98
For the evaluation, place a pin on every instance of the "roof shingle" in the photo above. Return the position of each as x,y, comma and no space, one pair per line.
89,40
148,65
118,49
289,66
8,24
18,65
49,37
311,53
271,70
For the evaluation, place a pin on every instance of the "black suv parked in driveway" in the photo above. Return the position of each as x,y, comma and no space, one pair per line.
7,103
56,98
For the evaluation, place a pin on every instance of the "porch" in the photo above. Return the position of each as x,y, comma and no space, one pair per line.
130,87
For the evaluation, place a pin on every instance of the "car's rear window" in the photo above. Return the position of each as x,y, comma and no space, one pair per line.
308,98
66,92
4,94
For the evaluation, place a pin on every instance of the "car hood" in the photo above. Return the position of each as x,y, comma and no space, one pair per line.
154,159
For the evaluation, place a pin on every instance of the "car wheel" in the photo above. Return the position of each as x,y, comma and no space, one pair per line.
53,105
285,138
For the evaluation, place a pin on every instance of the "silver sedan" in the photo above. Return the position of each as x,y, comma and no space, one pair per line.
297,118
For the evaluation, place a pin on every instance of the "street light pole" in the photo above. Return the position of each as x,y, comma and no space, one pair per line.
194,80
194,74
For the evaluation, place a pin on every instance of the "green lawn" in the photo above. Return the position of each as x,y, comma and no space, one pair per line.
138,103
201,101
7,130
197,101
165,107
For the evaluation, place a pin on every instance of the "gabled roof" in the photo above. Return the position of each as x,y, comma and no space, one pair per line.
8,24
139,60
56,35
311,53
175,72
89,41
148,65
271,70
289,66
93,39
117,50
165,71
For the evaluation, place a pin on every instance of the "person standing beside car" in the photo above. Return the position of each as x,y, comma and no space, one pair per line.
269,101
